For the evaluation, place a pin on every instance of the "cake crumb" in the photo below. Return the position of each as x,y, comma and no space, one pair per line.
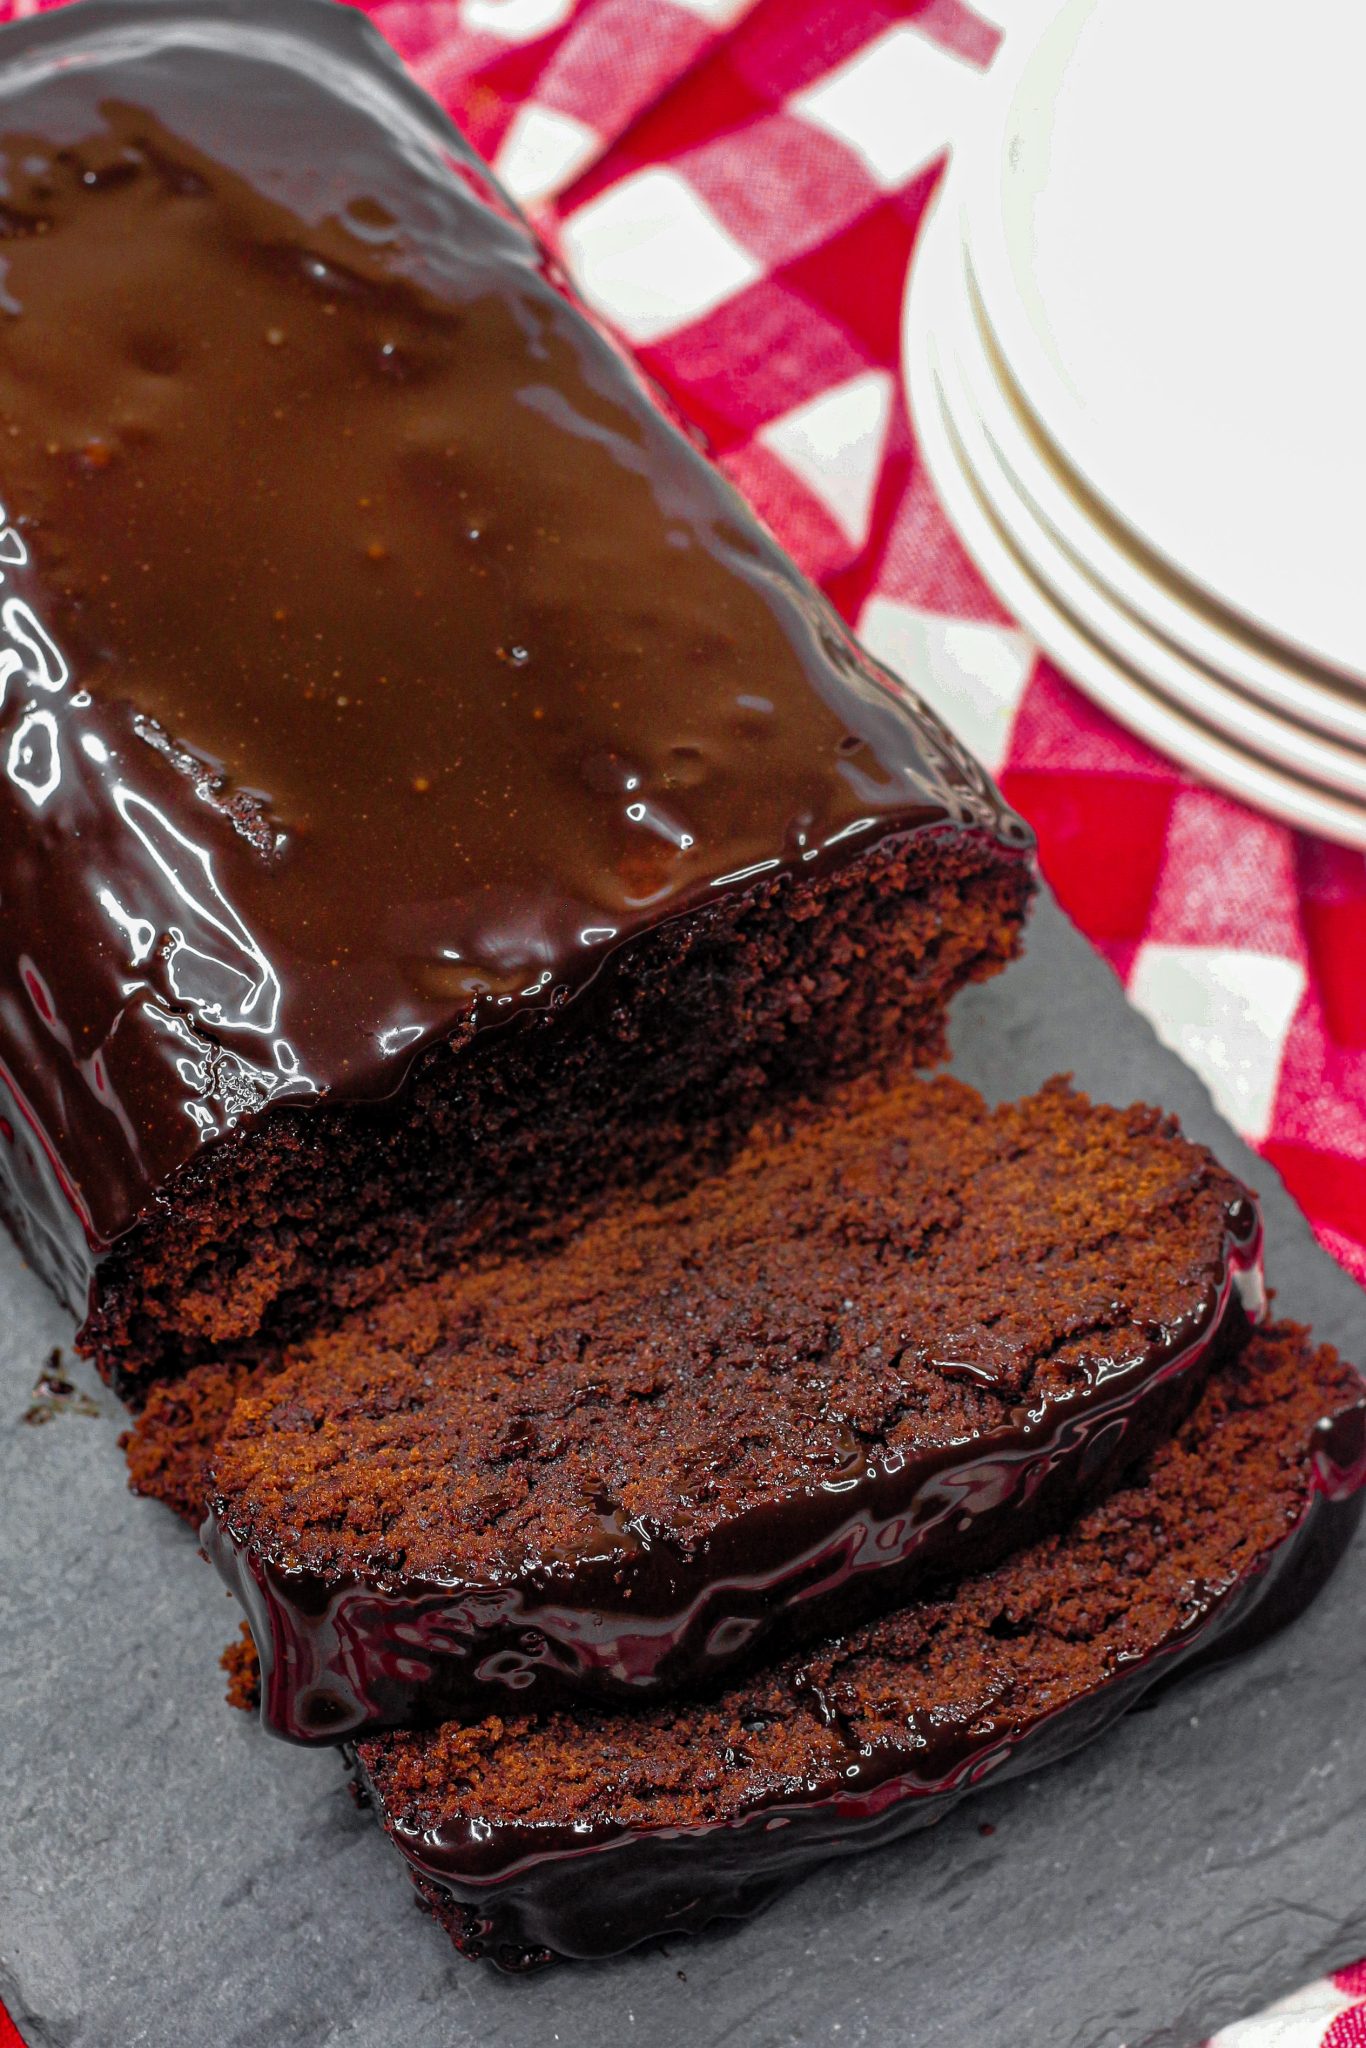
243,1669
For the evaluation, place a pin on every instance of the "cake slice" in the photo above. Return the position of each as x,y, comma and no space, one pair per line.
580,1834
883,1344
432,797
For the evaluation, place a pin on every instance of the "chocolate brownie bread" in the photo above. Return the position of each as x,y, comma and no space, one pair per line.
883,1343
430,795
580,1834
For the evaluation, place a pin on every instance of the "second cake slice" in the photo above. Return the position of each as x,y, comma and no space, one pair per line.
887,1344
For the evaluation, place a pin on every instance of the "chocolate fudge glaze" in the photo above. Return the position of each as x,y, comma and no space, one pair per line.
522,1894
344,1652
376,657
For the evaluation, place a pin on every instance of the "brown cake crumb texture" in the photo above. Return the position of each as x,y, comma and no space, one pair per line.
172,1441
783,990
903,1272
1042,1629
242,1667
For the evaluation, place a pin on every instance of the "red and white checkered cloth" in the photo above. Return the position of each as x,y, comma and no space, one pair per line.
737,187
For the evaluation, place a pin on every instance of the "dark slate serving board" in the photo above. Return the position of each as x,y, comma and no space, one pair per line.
171,1877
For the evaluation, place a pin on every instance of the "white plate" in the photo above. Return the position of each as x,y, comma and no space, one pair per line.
1312,696
1076,650
1163,207
1213,699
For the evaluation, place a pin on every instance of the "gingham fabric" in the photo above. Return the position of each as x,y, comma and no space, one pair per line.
1329,2014
737,187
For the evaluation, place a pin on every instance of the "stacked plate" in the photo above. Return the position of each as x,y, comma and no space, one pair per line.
1135,349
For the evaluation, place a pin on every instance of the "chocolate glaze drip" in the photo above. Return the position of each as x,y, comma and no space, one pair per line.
343,1655
523,1896
375,657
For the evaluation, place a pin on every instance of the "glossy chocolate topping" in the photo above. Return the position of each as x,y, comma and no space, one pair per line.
375,656
851,1748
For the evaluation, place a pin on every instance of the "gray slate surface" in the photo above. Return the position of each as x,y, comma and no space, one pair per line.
170,1878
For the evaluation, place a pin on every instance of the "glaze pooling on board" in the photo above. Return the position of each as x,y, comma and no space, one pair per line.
343,1655
376,657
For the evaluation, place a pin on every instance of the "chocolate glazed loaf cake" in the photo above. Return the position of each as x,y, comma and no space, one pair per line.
469,912
882,1345
429,795
582,1834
